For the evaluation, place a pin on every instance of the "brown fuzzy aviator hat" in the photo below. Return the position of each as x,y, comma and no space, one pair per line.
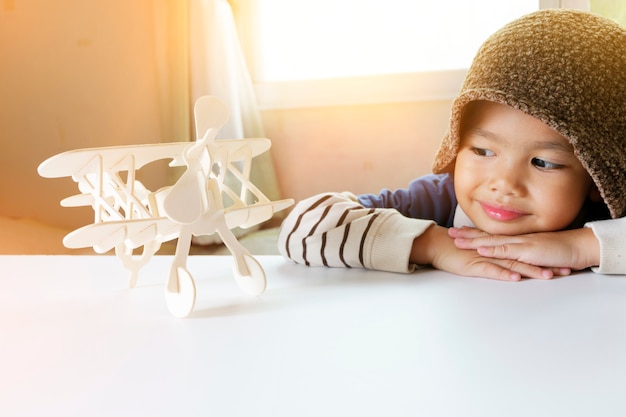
566,68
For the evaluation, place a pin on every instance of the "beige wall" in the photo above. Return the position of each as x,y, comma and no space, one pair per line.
74,74
79,73
359,148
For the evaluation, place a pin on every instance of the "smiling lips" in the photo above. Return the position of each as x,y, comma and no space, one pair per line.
501,213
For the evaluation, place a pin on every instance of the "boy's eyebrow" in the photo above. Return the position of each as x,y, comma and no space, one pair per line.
555,144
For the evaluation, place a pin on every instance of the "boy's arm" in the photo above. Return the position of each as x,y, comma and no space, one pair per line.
334,230
600,245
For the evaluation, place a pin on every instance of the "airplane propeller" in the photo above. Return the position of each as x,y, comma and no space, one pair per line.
187,199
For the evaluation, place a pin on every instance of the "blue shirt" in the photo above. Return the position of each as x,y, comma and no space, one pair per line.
430,197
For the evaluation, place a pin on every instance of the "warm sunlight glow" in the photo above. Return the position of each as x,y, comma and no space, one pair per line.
298,40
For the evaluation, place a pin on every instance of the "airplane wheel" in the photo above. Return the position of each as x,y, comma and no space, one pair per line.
181,303
253,282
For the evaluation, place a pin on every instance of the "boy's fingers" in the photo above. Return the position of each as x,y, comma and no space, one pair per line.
528,271
532,271
493,271
466,232
501,252
508,270
484,240
513,252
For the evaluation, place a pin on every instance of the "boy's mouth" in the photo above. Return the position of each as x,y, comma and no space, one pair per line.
501,213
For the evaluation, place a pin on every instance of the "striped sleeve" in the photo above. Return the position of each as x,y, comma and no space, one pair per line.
334,230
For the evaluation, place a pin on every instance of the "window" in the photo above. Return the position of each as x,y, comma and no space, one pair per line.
324,52
297,40
615,10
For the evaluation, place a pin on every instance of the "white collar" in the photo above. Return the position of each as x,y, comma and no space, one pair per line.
461,219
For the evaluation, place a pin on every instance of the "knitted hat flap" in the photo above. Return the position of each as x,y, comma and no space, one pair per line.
566,68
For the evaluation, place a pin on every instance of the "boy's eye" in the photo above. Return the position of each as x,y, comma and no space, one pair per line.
483,152
543,164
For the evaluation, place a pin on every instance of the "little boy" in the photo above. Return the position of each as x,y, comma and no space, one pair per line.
535,148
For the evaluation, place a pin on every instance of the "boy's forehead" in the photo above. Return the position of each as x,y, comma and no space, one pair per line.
493,120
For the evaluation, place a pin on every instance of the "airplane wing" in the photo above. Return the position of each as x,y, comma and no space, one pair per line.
237,148
248,216
69,163
105,236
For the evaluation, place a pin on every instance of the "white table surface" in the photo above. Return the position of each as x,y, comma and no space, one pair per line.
75,341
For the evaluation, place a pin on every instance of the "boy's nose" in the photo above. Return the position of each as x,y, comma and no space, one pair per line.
507,182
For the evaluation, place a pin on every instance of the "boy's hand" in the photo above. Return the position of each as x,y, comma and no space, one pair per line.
435,247
569,249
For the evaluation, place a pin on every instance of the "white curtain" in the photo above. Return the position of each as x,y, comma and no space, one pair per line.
198,53
218,68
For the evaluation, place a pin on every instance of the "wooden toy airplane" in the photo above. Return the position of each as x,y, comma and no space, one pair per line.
202,202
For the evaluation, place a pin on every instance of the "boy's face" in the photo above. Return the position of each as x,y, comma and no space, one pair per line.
514,174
